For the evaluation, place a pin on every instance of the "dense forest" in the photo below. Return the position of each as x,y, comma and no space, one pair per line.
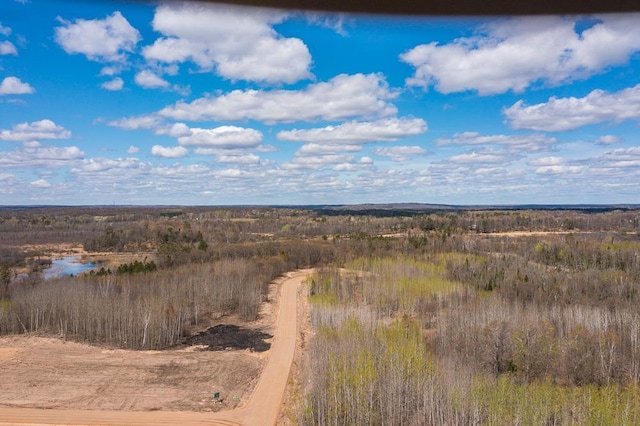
463,316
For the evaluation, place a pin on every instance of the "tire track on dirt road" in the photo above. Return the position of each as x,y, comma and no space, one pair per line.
261,410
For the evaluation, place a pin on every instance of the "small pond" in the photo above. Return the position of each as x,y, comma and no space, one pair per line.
67,265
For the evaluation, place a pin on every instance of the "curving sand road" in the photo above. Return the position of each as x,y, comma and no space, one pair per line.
262,409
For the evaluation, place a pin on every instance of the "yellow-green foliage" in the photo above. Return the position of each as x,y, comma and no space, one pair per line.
323,299
368,372
404,349
5,304
324,287
621,245
352,374
504,402
382,372
398,283
459,258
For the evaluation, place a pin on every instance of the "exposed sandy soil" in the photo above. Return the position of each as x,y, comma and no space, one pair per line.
55,250
293,396
49,381
42,372
530,233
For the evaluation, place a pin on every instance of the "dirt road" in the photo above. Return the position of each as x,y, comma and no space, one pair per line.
261,409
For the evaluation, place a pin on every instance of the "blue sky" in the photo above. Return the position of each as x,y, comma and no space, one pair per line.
196,103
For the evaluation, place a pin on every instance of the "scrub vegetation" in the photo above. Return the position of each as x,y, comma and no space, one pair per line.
535,327
419,316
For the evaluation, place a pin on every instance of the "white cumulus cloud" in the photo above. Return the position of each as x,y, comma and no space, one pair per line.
238,42
312,149
354,132
103,40
111,70
622,158
149,80
513,54
560,169
14,86
481,156
41,157
5,31
40,183
35,131
400,153
113,85
558,114
247,159
169,152
135,123
609,139
119,167
316,162
547,161
8,48
514,143
342,97
223,137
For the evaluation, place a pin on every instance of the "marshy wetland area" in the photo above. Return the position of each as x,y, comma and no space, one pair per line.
372,314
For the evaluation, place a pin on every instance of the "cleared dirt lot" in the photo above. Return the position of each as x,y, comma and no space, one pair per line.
49,373
47,380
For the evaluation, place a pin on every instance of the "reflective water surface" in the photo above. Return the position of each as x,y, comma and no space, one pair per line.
68,265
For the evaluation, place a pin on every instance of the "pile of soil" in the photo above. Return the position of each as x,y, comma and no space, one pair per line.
228,337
